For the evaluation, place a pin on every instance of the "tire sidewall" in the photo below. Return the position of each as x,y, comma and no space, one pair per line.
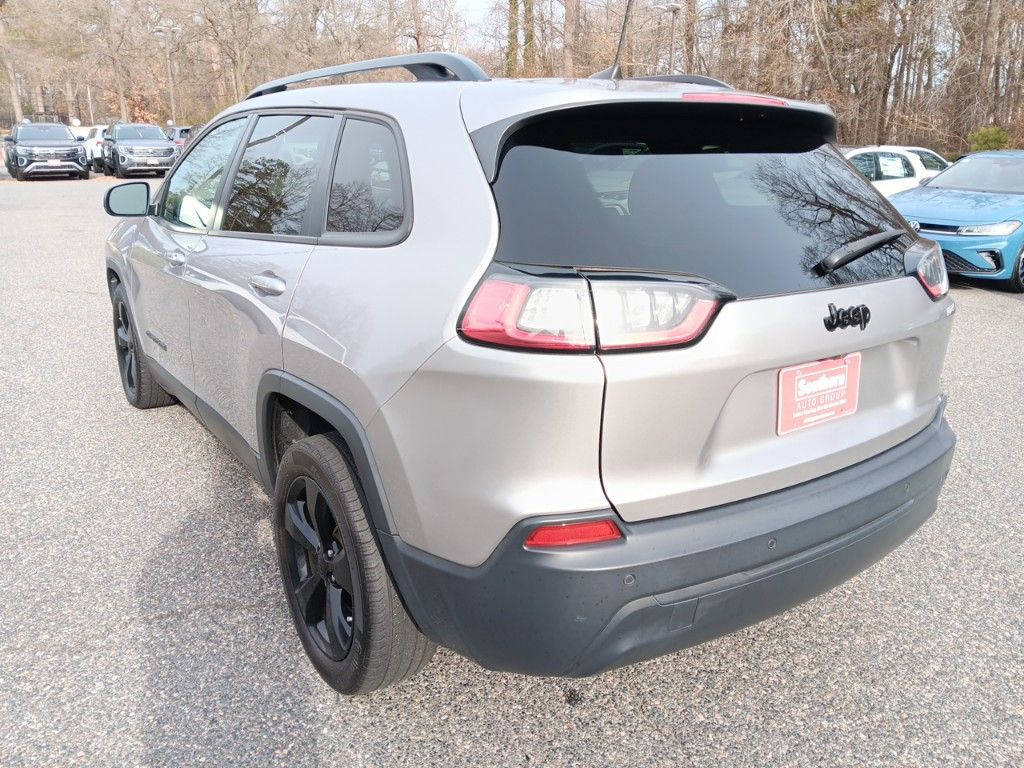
346,674
120,298
1016,281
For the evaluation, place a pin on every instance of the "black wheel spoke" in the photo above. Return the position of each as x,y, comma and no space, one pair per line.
340,570
297,527
310,597
339,631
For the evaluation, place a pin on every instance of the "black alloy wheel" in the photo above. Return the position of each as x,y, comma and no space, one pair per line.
319,574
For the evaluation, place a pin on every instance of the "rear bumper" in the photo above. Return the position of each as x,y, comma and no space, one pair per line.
673,582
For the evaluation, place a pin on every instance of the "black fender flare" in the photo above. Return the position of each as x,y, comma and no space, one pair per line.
396,553
341,418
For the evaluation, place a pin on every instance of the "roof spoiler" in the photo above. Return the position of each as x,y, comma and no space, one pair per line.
422,66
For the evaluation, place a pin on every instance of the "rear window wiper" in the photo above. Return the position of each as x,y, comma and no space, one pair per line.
853,251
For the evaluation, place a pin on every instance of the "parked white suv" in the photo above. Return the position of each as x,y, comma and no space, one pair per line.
892,169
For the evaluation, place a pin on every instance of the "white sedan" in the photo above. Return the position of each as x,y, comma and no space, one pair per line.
893,169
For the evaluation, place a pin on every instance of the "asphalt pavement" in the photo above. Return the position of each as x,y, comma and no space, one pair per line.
142,621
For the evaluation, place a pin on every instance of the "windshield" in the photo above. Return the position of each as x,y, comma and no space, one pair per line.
752,204
51,132
139,132
992,173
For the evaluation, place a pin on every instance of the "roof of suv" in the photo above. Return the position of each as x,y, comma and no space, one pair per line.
487,102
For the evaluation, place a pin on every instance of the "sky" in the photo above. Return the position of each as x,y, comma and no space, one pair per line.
474,11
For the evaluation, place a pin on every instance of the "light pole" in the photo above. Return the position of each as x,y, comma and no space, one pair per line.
674,9
166,33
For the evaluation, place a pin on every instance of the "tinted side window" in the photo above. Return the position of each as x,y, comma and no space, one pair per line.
271,190
866,164
192,190
367,189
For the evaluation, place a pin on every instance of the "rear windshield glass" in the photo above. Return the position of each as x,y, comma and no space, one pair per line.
750,199
57,132
994,173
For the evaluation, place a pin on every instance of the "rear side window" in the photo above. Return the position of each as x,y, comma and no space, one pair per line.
930,160
367,191
894,166
747,198
271,190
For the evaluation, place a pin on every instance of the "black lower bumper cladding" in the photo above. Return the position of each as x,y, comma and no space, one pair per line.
672,582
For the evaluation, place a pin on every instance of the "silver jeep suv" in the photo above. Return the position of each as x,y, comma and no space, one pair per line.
562,375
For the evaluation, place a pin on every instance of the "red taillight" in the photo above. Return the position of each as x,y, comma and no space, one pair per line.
534,313
573,534
931,268
565,314
726,97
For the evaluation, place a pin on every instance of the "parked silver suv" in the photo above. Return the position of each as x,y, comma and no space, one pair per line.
562,375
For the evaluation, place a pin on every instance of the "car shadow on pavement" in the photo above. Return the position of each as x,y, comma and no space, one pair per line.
225,680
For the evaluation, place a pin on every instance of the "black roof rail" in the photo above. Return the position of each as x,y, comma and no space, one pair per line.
423,66
690,79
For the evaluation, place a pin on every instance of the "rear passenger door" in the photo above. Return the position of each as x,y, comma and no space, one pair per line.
243,275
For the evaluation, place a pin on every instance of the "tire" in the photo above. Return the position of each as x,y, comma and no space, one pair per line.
1016,281
95,165
18,175
374,643
106,169
84,175
118,172
140,388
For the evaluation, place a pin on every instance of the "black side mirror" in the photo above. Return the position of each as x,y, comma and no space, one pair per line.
130,199
79,138
9,138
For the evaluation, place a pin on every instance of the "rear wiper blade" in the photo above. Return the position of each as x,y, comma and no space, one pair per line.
853,251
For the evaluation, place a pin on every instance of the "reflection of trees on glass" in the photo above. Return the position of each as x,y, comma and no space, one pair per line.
831,206
366,192
269,196
354,207
271,190
198,176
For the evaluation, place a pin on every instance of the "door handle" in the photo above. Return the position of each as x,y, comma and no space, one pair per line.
175,258
267,283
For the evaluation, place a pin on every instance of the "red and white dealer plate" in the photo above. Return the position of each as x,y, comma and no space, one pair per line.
816,393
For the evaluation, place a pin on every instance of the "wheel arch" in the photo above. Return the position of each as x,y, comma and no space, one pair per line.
322,413
114,278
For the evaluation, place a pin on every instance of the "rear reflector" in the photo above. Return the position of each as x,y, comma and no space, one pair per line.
718,97
573,534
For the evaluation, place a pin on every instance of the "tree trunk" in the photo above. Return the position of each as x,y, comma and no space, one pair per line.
570,29
529,39
512,51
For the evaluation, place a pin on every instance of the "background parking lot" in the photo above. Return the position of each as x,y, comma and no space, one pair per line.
142,621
